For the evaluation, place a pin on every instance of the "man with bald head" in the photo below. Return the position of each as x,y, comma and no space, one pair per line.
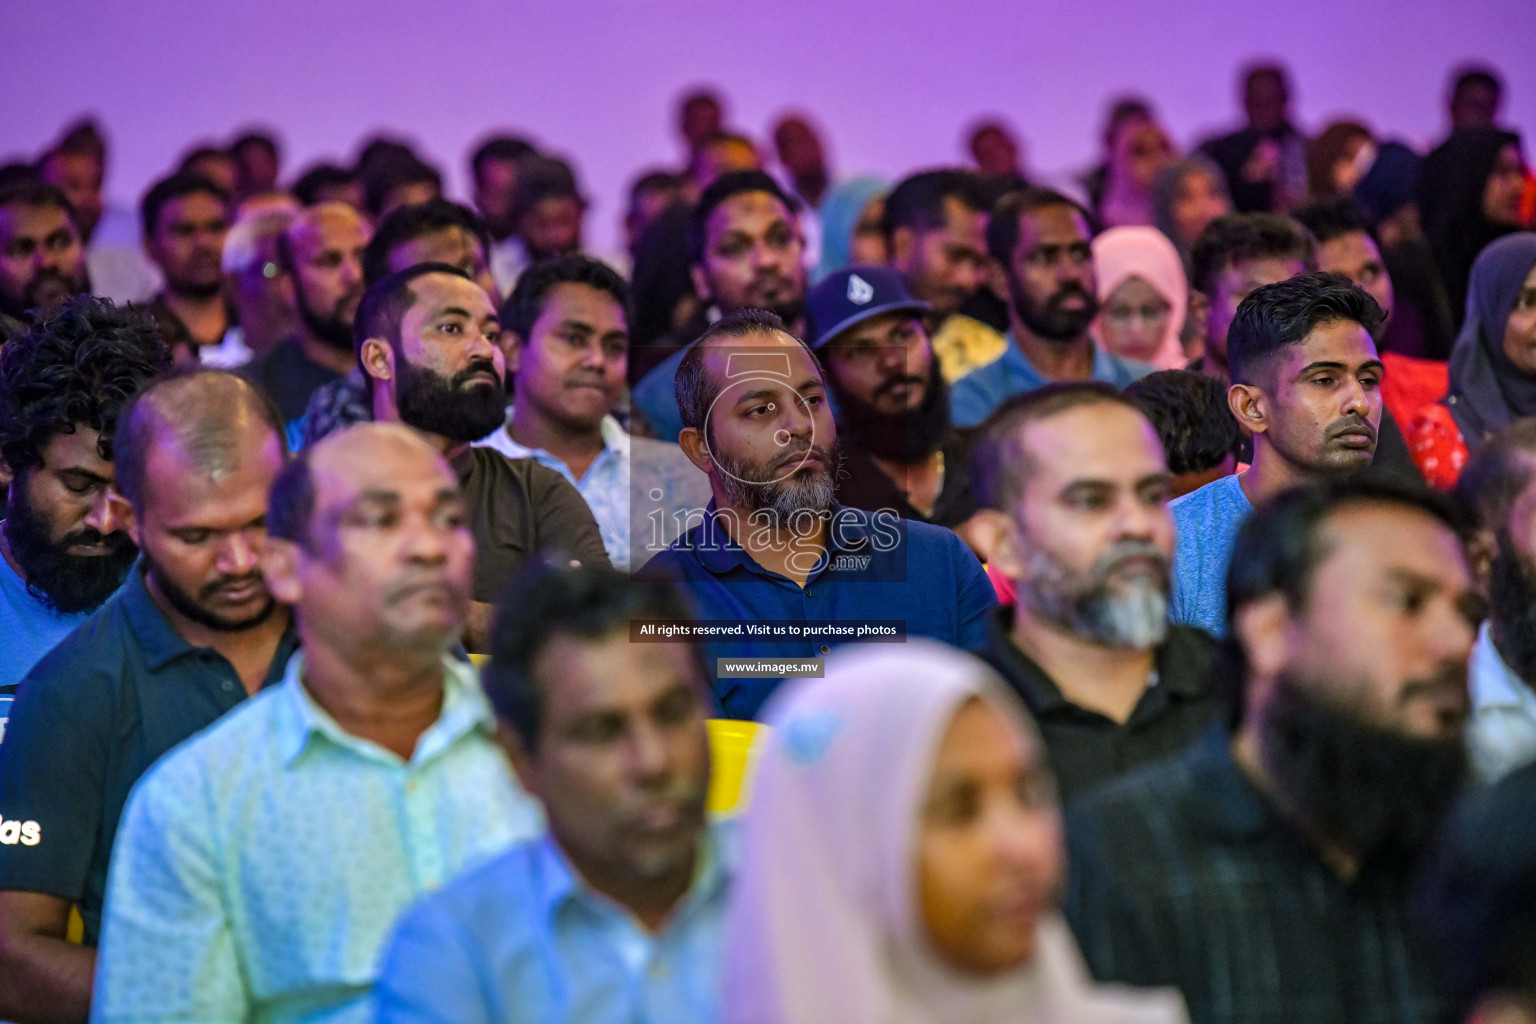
322,254
261,865
774,545
427,341
193,631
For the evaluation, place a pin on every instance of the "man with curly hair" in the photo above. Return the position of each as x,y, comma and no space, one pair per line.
63,550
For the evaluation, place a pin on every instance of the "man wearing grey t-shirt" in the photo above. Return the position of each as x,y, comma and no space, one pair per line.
1306,383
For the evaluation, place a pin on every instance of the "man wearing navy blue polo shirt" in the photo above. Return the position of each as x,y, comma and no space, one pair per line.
1043,240
773,544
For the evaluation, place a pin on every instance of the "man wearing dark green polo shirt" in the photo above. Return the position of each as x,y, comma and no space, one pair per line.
1075,487
192,632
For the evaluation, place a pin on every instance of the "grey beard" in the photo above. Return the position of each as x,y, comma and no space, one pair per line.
744,487
1129,615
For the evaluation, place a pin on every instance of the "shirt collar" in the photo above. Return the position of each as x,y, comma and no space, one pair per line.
615,439
1018,362
301,720
1493,683
155,635
558,883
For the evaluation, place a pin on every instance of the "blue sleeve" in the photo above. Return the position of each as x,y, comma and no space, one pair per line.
970,400
428,974
976,599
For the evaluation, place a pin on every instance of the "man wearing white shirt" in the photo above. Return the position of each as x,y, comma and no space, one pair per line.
1498,489
566,341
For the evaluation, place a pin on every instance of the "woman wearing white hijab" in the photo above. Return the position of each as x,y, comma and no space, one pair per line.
901,858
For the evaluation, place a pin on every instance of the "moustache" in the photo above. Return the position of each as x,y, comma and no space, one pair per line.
770,280
475,368
1448,684
1351,425
1126,552
89,536
1068,291
228,582
897,380
802,453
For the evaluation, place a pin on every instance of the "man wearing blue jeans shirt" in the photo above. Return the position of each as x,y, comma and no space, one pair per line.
773,544
614,915
1043,240
1307,386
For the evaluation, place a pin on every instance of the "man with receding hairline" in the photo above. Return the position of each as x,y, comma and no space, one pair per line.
261,865
193,631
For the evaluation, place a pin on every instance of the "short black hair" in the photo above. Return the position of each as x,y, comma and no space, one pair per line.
543,603
258,140
1190,413
509,148
917,201
523,306
692,384
540,178
408,223
201,152
734,183
1478,895
1496,475
1278,315
1122,110
77,367
1004,227
1236,237
307,187
397,173
999,465
30,191
1476,76
1327,219
653,181
383,305
204,424
175,186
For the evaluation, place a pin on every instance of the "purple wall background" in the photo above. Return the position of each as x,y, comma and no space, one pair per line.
893,85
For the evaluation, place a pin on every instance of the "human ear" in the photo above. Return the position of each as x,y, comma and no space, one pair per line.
279,567
1249,406
691,440
700,282
378,359
122,510
996,535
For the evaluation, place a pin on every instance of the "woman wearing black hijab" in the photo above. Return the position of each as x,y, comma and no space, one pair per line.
1469,194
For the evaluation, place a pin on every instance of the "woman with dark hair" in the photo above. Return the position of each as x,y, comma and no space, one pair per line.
1469,194
1187,196
1493,364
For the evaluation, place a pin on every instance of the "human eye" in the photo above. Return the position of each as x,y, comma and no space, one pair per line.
191,537
595,730
958,804
1526,300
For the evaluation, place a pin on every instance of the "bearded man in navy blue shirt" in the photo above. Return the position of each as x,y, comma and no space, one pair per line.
773,547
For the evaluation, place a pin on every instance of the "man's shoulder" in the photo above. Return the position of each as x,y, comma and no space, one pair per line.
495,897
233,747
1144,802
94,658
1224,495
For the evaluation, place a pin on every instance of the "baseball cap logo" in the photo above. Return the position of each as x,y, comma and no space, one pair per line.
860,291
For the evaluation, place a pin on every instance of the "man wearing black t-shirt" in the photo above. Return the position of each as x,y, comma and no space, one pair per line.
1075,487
427,339
322,253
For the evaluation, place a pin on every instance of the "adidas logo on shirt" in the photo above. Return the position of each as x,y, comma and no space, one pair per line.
28,833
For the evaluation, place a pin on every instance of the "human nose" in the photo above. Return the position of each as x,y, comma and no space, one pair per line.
101,517
239,555
1356,399
426,542
648,756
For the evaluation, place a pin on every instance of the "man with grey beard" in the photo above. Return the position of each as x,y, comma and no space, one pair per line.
774,556
1074,487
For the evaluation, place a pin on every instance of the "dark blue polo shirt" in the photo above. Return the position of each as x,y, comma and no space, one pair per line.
89,719
877,566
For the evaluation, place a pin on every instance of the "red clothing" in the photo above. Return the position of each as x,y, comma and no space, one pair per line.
1409,385
1437,446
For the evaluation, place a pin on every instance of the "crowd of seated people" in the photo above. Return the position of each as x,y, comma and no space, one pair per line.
1123,586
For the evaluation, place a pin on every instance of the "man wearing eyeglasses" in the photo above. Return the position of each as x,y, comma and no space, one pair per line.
1042,240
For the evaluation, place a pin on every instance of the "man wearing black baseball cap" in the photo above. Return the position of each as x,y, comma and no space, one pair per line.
900,451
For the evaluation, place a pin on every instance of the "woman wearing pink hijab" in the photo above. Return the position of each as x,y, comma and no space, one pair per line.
1143,296
901,859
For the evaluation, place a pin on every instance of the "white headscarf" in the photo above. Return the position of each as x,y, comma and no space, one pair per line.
824,926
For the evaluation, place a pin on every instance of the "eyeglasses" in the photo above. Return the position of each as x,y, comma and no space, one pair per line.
1124,316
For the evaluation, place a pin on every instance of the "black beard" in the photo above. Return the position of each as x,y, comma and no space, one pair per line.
334,330
67,584
190,607
201,291
1050,321
431,402
1373,791
905,437
1512,609
18,308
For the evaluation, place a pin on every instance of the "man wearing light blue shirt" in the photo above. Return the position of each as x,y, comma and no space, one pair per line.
615,915
1042,240
566,338
260,865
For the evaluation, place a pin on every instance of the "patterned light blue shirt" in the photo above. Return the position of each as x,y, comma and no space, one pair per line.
641,491
1502,733
973,397
260,866
523,939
